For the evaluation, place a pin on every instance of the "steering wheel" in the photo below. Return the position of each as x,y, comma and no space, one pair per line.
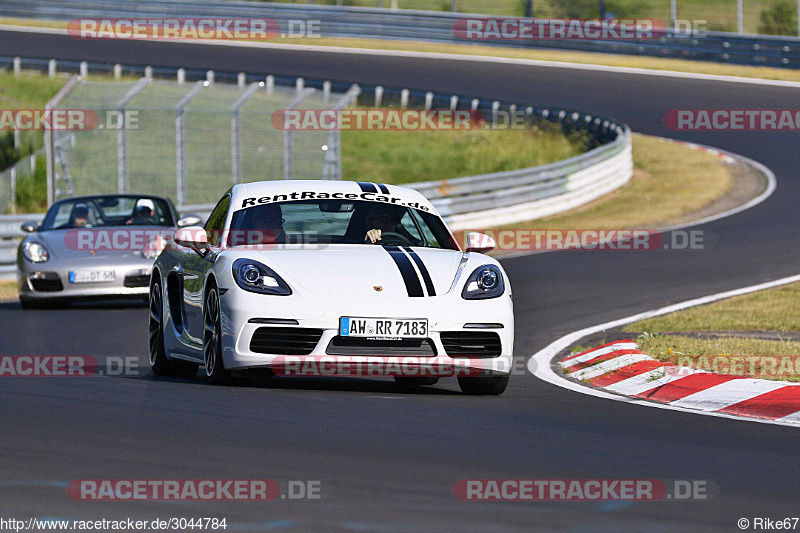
394,237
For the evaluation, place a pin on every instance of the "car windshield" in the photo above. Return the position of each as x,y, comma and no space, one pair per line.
104,211
345,222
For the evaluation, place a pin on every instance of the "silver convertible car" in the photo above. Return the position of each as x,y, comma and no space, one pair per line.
94,247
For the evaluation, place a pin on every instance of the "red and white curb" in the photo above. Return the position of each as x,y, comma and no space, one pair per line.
620,367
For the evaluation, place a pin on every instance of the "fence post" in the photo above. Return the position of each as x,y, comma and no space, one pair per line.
122,135
17,66
270,85
13,190
241,80
326,92
148,72
117,71
404,98
378,96
180,141
84,69
181,75
287,134
300,84
49,139
210,77
51,68
236,134
428,101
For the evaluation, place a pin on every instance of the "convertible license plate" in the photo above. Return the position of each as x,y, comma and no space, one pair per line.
384,328
91,276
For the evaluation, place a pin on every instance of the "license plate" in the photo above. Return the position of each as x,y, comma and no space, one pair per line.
91,276
383,328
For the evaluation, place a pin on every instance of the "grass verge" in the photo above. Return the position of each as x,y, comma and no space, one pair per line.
774,310
568,56
756,358
8,290
669,181
411,156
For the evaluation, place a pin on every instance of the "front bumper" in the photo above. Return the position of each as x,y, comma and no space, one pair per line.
447,313
51,280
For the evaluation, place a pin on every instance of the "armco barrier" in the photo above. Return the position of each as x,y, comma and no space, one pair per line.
763,50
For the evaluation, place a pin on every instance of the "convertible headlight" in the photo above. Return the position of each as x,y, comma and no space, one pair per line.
255,277
35,252
485,282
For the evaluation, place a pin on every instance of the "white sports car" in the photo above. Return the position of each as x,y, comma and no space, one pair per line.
331,278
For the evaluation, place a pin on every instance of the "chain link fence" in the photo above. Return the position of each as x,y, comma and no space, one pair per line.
188,141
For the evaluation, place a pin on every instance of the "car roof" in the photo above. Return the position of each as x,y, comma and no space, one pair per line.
248,194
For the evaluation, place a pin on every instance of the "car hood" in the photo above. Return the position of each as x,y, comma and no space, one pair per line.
98,243
359,270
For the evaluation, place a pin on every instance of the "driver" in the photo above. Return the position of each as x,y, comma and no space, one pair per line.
268,221
382,218
142,215
79,216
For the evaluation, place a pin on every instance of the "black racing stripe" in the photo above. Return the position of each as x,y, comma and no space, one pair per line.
422,270
384,189
367,187
413,286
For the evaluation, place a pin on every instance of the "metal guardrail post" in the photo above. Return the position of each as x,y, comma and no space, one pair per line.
180,141
236,135
122,135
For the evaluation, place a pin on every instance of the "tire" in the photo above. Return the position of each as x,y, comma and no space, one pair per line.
483,386
159,363
212,340
410,382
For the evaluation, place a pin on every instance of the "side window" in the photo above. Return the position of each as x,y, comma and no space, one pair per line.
429,238
216,221
410,227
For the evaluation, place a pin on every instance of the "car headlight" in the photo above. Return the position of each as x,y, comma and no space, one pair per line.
35,252
485,282
255,277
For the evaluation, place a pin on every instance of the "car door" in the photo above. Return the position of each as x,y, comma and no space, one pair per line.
195,268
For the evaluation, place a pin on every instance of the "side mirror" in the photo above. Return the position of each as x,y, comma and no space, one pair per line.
29,227
191,237
480,242
190,219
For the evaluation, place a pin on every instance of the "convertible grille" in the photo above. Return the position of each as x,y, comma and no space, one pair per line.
360,346
46,282
137,280
285,341
471,343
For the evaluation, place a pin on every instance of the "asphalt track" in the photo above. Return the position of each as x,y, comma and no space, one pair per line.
392,458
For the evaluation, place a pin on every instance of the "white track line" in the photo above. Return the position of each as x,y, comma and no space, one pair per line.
609,366
728,393
539,363
597,353
449,57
